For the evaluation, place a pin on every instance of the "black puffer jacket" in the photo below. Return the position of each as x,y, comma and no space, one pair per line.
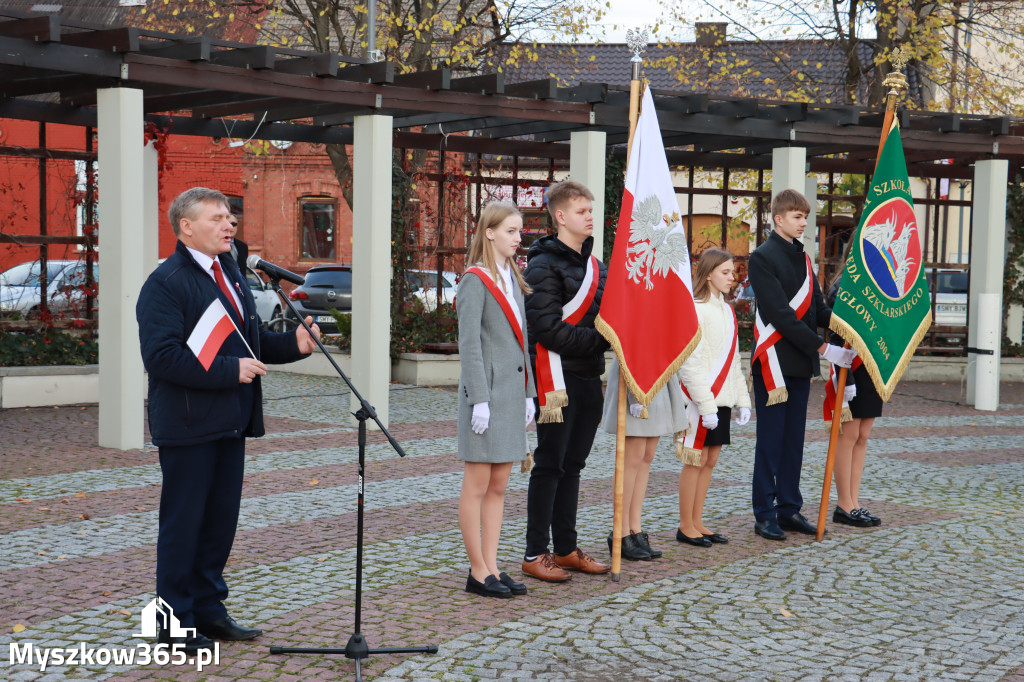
777,269
554,272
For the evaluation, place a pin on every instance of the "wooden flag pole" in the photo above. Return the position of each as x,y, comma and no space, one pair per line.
830,459
638,43
895,81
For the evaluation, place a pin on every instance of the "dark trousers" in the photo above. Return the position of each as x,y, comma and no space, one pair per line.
199,501
779,452
561,454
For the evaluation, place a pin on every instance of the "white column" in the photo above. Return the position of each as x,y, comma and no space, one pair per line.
789,171
371,262
587,154
151,208
811,192
121,192
988,260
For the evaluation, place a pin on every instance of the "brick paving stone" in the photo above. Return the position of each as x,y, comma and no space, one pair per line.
935,593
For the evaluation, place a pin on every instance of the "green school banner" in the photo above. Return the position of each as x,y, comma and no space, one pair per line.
883,308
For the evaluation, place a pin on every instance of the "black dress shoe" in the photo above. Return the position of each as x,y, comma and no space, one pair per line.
490,587
189,645
797,523
769,530
716,538
854,518
699,541
875,521
512,585
645,541
227,629
633,550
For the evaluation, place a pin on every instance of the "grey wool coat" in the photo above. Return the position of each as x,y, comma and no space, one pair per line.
495,371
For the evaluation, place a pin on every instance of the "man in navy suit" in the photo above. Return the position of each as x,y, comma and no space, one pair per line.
199,418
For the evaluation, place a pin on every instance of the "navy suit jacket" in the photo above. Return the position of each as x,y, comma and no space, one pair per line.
188,404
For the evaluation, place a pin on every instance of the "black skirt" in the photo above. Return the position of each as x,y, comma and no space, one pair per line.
720,435
867,404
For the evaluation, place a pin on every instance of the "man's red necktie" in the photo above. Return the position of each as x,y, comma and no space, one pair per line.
219,276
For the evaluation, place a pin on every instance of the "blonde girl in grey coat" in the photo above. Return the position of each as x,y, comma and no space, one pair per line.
496,391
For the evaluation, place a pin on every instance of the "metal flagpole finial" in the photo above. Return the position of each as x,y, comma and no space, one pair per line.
636,40
896,81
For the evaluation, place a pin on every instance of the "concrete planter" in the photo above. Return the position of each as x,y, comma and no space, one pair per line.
49,385
74,384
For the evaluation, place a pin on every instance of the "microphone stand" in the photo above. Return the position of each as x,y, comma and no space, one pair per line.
357,647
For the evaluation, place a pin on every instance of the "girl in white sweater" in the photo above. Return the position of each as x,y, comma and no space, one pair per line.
713,380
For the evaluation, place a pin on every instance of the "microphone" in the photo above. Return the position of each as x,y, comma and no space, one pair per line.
257,263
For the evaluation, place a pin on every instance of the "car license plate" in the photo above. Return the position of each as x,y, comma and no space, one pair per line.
325,318
951,307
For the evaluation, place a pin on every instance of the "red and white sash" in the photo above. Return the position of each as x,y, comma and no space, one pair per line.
766,336
550,382
690,449
830,392
514,320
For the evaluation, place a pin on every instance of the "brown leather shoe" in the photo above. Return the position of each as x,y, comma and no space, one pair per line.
544,568
581,561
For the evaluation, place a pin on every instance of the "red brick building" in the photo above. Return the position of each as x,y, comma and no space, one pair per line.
287,196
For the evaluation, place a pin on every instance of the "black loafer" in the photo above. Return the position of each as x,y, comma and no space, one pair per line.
875,521
699,541
490,587
512,585
797,523
189,645
854,518
716,538
227,629
769,530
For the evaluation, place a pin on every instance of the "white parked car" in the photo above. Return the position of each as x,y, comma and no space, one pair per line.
949,289
19,287
423,285
268,303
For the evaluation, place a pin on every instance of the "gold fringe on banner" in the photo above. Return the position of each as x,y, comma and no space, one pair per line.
641,397
885,390
551,412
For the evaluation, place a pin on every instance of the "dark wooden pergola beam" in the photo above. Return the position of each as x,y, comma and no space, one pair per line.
37,29
124,39
257,58
188,49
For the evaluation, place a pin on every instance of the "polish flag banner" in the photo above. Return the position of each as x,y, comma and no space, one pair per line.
209,333
647,310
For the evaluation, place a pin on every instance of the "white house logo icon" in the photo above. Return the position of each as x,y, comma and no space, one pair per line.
159,614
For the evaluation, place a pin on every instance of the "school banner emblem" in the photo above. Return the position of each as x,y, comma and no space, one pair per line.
883,308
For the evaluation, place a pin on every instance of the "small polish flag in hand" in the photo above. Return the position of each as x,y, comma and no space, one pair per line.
209,333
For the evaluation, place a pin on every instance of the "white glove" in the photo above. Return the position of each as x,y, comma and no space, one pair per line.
481,418
710,421
839,356
530,411
849,393
744,416
636,409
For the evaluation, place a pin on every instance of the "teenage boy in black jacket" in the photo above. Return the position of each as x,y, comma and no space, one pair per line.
567,283
788,301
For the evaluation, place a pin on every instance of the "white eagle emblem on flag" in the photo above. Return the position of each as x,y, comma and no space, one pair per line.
654,250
